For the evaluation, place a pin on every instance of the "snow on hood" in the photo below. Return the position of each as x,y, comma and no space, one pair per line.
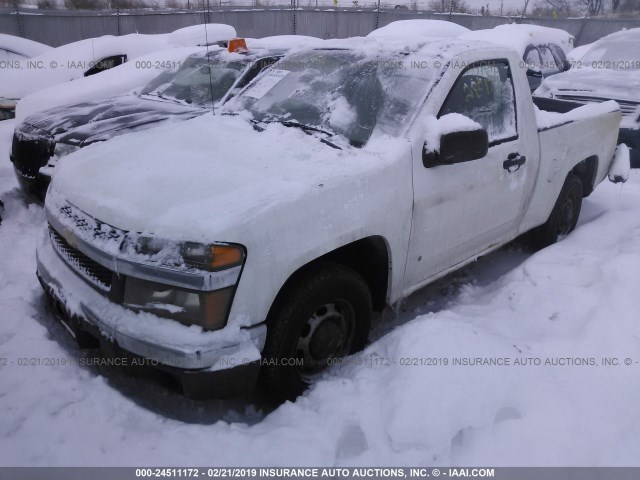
115,81
100,120
520,36
419,28
597,82
212,173
22,46
200,35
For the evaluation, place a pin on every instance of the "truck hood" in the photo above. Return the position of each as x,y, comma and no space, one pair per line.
90,122
213,177
602,83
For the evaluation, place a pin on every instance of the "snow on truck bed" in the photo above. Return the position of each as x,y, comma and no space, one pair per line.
553,119
570,305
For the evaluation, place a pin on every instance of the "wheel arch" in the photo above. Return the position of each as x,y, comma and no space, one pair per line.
368,256
586,171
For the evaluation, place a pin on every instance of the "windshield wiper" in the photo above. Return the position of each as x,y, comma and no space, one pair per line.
308,129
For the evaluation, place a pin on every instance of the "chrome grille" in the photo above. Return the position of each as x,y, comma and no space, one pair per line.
92,271
627,108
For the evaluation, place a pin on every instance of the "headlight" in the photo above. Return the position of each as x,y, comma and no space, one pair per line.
7,108
184,255
191,307
64,149
209,309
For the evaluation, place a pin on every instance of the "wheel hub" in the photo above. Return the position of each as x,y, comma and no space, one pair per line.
326,335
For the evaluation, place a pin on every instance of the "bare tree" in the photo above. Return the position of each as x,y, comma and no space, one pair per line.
443,6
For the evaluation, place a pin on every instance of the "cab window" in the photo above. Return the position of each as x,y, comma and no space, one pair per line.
484,92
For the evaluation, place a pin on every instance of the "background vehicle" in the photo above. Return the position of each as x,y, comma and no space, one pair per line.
17,48
92,56
343,183
202,80
542,49
610,70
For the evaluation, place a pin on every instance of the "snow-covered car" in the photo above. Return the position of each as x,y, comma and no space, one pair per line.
610,70
344,178
91,56
17,48
203,80
543,50
418,28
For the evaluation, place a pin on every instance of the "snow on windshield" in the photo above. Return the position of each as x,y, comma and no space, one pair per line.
200,80
614,54
341,92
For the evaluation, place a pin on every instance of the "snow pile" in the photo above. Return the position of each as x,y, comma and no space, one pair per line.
520,36
620,166
413,29
22,46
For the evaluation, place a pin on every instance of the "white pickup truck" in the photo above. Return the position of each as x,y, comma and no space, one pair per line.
256,244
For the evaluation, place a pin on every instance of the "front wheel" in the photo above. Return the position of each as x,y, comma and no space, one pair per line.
324,317
564,216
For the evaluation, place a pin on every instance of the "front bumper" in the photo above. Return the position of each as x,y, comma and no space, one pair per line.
214,363
35,186
631,137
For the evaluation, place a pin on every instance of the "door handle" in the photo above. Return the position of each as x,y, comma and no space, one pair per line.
513,162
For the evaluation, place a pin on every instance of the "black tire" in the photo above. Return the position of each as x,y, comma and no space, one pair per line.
564,215
326,314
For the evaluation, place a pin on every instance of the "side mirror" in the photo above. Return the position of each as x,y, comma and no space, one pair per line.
457,147
567,65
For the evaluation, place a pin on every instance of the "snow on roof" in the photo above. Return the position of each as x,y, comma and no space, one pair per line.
419,28
200,35
22,46
632,33
285,42
520,36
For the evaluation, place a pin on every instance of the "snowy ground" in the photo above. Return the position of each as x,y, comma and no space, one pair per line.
575,299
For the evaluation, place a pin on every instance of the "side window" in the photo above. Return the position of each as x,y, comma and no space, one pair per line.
532,59
561,58
106,64
549,64
484,93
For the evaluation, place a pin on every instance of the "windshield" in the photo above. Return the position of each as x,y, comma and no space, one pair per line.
198,81
619,54
342,92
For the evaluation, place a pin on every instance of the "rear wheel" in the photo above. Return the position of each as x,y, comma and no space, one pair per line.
564,216
325,316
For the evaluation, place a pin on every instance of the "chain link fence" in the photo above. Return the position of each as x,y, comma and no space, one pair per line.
58,27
